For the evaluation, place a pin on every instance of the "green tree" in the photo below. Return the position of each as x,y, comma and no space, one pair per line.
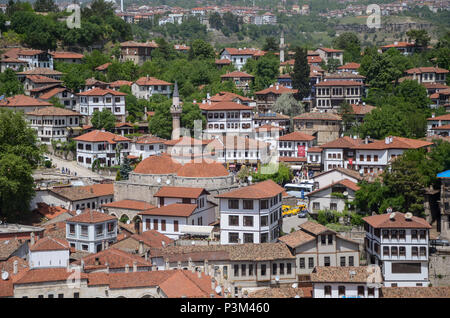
9,84
125,169
300,74
45,6
281,176
103,120
270,44
161,123
288,105
349,42
420,37
191,112
54,100
332,65
201,49
215,21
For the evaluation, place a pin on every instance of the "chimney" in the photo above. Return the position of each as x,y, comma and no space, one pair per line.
32,240
366,140
135,266
141,247
82,265
433,115
107,267
97,261
179,265
15,267
386,140
199,274
127,268
193,269
146,256
213,283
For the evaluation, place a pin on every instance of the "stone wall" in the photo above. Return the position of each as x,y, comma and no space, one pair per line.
439,269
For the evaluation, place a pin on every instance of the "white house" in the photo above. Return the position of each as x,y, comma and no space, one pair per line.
435,122
349,282
428,74
148,145
227,117
327,54
49,252
22,103
98,99
108,148
239,56
91,231
145,87
295,144
374,157
331,176
53,123
340,153
251,214
179,207
398,243
332,196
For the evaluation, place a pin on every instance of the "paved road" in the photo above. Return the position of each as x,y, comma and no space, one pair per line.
81,172
290,222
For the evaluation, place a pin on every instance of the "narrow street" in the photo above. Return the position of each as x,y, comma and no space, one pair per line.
80,171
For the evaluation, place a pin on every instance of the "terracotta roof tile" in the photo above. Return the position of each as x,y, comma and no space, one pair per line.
314,149
40,275
180,192
115,258
92,217
224,106
349,66
187,284
120,83
162,164
85,192
237,74
8,247
319,116
296,238
415,292
278,90
343,142
362,109
292,159
282,292
23,101
260,190
103,67
426,70
203,169
339,83
101,136
442,117
345,182
229,97
398,44
175,209
296,136
349,274
329,50
351,173
52,92
223,61
399,221
97,91
139,44
152,238
66,55
397,143
53,111
49,212
146,81
236,143
41,71
314,228
50,244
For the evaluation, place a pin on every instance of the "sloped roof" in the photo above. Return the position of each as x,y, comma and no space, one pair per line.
53,111
130,205
296,136
237,74
348,274
260,190
349,66
90,216
50,244
339,83
224,106
296,238
180,192
97,91
343,142
319,116
84,192
161,164
397,143
399,221
277,89
415,292
175,209
151,81
345,182
427,70
99,136
23,101
66,55
115,258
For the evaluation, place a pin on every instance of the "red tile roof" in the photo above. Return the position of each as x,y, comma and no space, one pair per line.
345,182
101,136
129,204
161,164
315,149
180,192
296,238
349,274
343,142
292,159
175,209
53,111
42,79
349,66
415,292
152,238
236,74
203,169
398,44
329,50
419,70
397,143
120,83
23,101
319,116
223,61
90,216
188,284
103,67
442,117
277,89
399,221
66,55
138,44
49,212
52,92
40,71
145,81
240,51
443,127
40,275
362,109
115,259
339,83
296,136
260,190
229,97
149,139
50,244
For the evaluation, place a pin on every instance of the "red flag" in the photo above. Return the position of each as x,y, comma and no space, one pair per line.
300,151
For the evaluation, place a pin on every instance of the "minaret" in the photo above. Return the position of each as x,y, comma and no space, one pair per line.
175,110
282,47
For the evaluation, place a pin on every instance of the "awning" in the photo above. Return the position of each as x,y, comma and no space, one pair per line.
296,167
196,229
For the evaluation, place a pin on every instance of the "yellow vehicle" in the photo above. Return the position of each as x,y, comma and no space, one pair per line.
291,211
285,207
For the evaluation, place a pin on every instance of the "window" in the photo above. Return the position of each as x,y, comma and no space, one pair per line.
248,220
423,251
327,261
263,269
402,234
328,290
351,261
84,247
310,262
250,270
111,227
371,292
248,204
233,220
163,225
72,229
330,239
274,268
175,226
342,261
341,291
333,206
402,251
281,268
360,291
385,250
302,262
288,268
422,234
248,237
244,270
84,230
236,270
99,230
375,158
316,206
264,220
155,224
414,251
394,251
414,234
50,296
233,204
323,239
264,237
264,204
405,268
60,295
233,237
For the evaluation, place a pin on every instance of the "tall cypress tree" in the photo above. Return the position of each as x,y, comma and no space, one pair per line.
300,75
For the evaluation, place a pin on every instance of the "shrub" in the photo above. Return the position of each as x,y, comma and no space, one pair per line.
47,164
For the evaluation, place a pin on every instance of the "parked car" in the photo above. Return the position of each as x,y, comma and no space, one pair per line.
303,214
439,242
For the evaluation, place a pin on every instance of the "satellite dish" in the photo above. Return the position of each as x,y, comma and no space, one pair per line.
408,216
389,210
345,193
128,221
277,278
5,275
78,212
392,215
250,178
158,180
168,182
296,296
295,285
361,172
218,289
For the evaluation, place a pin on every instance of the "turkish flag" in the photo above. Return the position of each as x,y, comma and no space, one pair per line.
300,151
